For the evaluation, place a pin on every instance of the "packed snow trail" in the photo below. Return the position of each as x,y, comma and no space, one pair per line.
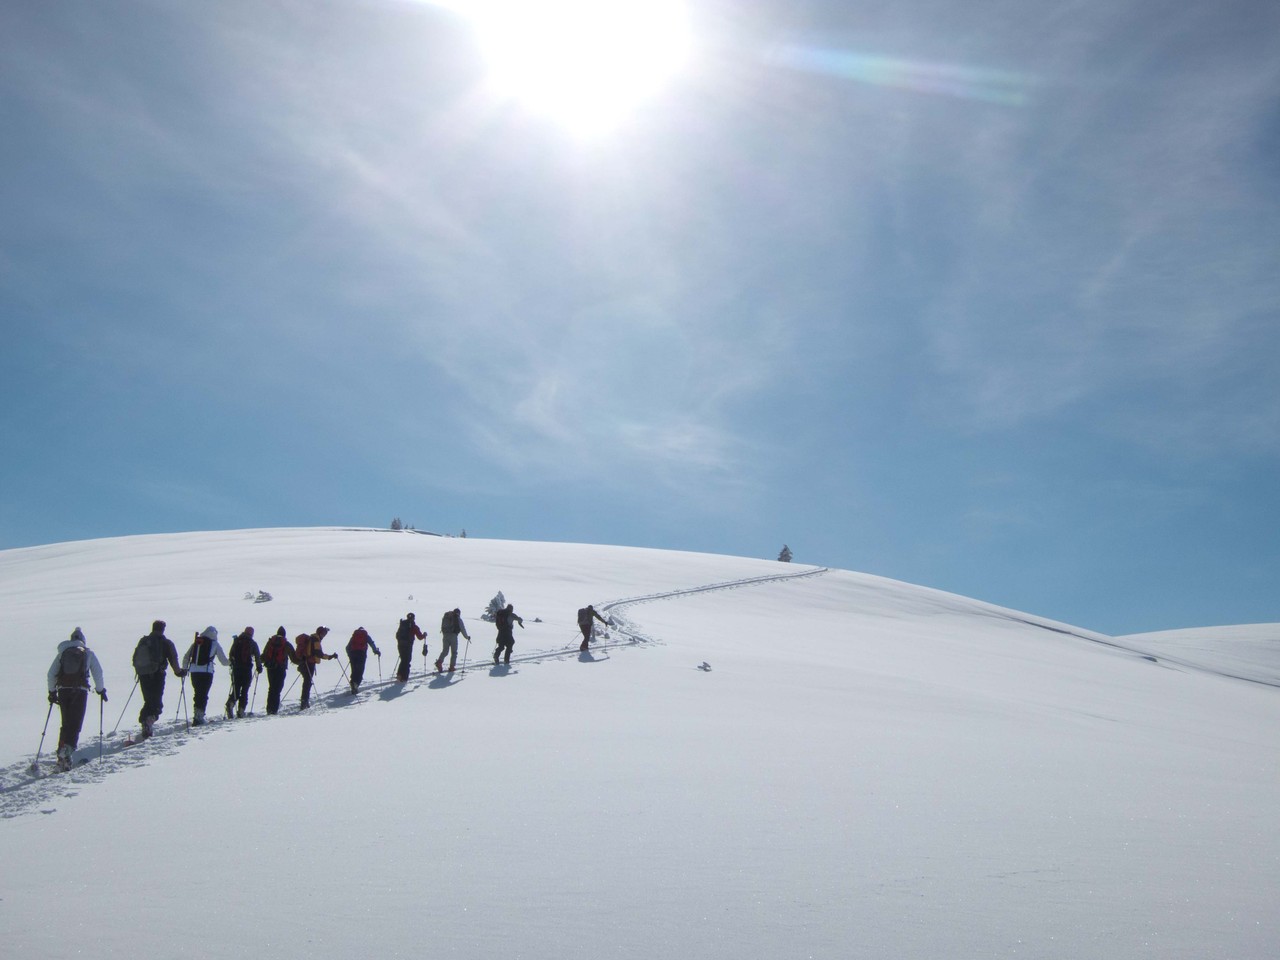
22,791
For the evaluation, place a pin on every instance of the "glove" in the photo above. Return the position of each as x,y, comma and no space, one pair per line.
103,694
53,696
259,668
424,649
182,673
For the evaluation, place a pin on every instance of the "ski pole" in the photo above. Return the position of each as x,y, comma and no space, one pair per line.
379,668
182,703
35,764
464,655
255,689
102,705
291,686
126,705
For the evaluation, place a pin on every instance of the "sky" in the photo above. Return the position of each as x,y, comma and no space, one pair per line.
979,296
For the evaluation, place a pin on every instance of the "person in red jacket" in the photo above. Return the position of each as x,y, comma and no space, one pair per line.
406,633
277,654
357,653
244,656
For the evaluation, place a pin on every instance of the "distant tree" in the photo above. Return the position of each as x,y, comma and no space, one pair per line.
396,524
463,534
785,555
496,604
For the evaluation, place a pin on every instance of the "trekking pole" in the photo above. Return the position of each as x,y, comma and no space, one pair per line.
255,690
126,705
102,705
291,686
182,703
464,655
35,764
379,668
344,677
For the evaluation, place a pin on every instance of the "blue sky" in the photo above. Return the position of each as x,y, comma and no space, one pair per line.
983,296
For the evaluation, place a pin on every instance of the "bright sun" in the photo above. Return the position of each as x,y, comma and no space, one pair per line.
584,63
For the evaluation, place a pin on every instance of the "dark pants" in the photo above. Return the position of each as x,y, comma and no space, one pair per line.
406,659
152,687
241,681
505,642
200,684
72,701
308,671
357,658
275,686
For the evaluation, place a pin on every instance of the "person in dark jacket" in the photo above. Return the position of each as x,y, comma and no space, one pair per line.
160,652
357,653
69,689
505,620
244,656
277,654
406,633
586,616
198,662
310,653
450,626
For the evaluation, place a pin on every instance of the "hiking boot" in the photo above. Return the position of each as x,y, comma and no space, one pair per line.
451,668
198,719
354,686
64,757
239,711
495,658
439,666
228,709
148,727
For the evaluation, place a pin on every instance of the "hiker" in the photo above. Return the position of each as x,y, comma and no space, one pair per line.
357,653
244,656
450,626
585,617
310,653
150,657
406,633
277,654
69,689
505,620
199,663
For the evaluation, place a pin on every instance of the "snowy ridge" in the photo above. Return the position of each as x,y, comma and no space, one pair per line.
755,762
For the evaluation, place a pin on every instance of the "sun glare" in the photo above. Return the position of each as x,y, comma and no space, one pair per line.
583,63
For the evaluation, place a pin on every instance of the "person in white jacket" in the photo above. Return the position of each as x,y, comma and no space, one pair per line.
69,689
198,661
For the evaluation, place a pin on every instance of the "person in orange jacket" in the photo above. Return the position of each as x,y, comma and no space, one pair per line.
310,653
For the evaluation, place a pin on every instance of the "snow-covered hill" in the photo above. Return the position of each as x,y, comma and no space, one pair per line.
761,760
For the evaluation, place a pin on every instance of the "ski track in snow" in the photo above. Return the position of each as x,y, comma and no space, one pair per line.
24,792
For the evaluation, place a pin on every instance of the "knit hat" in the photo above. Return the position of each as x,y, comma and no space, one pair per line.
77,635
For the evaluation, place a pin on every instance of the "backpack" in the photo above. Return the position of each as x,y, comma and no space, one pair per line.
242,650
404,633
275,654
73,667
147,657
202,647
303,647
451,623
359,641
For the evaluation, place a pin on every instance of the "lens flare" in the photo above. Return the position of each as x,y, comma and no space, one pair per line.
967,83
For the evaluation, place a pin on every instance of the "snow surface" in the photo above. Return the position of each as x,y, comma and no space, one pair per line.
792,763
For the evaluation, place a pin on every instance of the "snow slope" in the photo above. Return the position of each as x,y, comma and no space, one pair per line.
790,763
1248,651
